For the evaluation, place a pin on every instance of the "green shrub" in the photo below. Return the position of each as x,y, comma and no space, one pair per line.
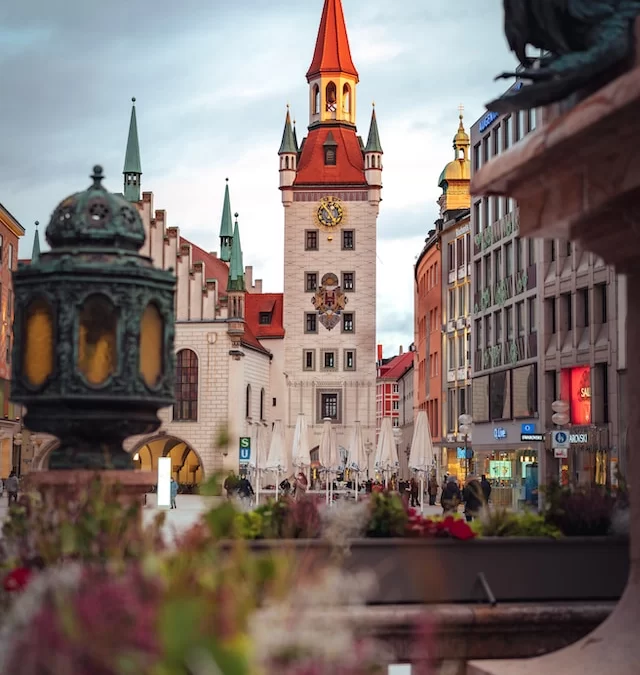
249,525
579,512
388,517
502,523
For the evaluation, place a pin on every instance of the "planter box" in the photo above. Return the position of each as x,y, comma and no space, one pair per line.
419,571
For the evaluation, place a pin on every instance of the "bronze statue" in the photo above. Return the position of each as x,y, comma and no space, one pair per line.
584,41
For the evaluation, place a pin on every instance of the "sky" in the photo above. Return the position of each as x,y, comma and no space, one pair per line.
212,81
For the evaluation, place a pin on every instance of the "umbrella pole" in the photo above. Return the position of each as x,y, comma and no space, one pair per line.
257,487
357,474
421,493
326,486
277,483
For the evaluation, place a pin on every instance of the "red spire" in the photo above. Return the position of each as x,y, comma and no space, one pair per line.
332,54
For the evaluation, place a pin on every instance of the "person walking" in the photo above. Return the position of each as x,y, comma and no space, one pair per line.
432,489
245,490
174,493
414,490
230,484
300,486
486,488
473,498
450,498
12,485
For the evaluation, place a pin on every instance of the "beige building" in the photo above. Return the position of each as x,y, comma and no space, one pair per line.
331,188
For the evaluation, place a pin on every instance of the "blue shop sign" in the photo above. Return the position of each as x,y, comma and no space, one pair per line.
488,120
465,453
528,428
499,433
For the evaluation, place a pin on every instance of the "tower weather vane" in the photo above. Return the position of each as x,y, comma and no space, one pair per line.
586,42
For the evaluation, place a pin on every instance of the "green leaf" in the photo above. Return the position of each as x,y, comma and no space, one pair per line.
180,627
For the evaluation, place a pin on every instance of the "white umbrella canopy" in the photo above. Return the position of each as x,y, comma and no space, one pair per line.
386,452
421,457
278,457
334,455
324,449
263,447
301,456
356,458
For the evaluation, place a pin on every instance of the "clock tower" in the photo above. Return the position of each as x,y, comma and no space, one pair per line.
330,187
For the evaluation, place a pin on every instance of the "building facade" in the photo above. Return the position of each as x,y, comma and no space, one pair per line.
428,313
505,334
455,243
331,187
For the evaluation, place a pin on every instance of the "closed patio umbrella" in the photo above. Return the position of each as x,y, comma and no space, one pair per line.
278,459
421,457
386,451
325,451
356,458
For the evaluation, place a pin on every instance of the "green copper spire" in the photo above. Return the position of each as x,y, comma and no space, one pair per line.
132,167
226,227
236,266
289,144
295,137
35,253
373,143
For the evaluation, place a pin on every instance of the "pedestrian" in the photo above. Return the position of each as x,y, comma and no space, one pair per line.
300,486
473,498
432,489
450,498
245,489
486,488
12,485
174,493
414,489
230,484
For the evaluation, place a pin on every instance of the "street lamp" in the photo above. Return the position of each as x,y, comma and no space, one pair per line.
368,449
93,357
465,422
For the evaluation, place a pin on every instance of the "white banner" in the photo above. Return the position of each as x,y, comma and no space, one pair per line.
164,481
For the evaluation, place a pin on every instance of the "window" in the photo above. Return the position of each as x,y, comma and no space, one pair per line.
348,322
531,309
567,306
247,402
10,257
487,331
487,271
476,157
478,325
329,406
451,409
552,253
348,281
396,388
309,359
311,281
462,400
476,218
509,320
311,240
532,252
508,259
485,149
497,265
396,422
346,99
497,138
467,246
452,304
316,100
520,318
265,318
477,275
311,323
349,359
396,405
460,251
507,132
600,303
461,351
348,240
550,311
329,360
331,97
583,295
185,409
497,322
451,256
1,246
329,155
451,345
485,213
462,300
262,404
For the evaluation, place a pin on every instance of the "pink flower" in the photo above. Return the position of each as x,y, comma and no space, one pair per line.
17,580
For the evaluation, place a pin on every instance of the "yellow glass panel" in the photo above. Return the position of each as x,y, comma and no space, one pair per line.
38,348
151,345
97,346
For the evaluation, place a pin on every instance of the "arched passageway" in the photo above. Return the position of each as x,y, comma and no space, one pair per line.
186,466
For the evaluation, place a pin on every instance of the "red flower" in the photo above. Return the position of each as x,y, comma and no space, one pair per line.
459,529
17,579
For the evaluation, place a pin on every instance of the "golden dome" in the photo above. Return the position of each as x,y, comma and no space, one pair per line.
460,167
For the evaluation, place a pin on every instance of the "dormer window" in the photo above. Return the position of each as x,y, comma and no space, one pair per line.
265,318
330,156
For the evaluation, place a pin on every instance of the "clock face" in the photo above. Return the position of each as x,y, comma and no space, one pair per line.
330,212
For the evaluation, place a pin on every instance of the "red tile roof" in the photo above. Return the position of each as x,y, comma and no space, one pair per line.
332,53
397,367
214,268
254,304
349,168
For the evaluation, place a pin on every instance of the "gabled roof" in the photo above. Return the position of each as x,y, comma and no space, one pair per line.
255,304
397,367
349,167
332,53
214,268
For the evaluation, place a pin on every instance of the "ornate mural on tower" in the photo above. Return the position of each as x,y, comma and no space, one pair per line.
329,301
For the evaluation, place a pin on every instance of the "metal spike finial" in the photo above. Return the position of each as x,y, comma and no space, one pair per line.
97,176
236,215
226,180
461,110
133,99
37,223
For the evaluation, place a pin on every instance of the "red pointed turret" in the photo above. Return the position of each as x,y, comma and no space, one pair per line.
332,53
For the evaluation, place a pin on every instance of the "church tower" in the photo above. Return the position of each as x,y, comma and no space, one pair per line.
330,188
132,168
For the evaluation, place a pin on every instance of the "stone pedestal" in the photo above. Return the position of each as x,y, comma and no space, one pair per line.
578,178
133,485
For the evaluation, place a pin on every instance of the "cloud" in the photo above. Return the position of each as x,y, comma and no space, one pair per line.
212,80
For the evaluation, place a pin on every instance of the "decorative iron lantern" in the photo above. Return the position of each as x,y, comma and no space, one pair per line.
93,357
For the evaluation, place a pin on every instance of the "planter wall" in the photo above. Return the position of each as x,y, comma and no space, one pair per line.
516,569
